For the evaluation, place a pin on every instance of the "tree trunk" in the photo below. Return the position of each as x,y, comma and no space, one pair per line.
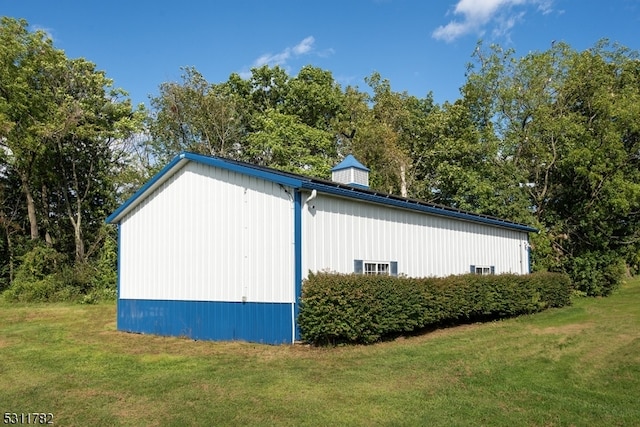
11,256
31,207
80,252
403,180
45,216
74,217
77,226
9,229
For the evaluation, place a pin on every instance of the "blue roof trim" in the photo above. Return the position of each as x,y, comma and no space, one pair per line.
416,205
364,187
272,175
349,162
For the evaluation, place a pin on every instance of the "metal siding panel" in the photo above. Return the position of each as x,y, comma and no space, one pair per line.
268,323
423,244
182,242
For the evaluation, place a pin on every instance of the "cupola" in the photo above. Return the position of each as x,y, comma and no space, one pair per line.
352,172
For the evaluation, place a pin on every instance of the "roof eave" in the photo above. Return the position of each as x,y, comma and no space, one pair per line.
390,200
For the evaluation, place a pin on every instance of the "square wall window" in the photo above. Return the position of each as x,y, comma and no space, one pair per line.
376,268
483,269
389,268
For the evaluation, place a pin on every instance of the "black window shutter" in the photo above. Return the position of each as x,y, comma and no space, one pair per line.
394,268
473,269
357,266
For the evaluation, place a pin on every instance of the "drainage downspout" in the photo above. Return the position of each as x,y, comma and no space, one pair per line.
297,255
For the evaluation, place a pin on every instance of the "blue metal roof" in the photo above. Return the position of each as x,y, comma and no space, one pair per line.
349,162
300,182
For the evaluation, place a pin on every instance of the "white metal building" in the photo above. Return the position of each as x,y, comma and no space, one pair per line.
216,249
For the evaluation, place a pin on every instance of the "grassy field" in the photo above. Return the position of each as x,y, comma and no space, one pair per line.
573,366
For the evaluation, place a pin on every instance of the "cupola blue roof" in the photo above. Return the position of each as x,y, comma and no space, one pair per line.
349,162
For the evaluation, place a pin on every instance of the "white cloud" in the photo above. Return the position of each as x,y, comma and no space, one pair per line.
452,31
545,6
477,14
504,24
302,48
305,47
326,53
272,59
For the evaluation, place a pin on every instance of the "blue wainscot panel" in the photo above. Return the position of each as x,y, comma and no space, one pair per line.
268,323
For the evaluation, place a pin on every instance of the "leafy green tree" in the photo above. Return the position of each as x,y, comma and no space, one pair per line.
269,118
315,98
565,124
63,133
26,62
382,130
390,116
12,214
281,141
86,123
269,89
196,116
599,201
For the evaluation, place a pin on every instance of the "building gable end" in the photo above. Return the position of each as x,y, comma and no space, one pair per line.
182,159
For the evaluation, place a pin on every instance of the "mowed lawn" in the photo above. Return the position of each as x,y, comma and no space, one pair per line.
574,366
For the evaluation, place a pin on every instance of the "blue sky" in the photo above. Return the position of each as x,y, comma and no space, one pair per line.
418,45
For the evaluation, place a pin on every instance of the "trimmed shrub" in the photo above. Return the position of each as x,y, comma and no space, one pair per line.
357,308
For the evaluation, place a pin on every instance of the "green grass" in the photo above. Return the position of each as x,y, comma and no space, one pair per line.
576,366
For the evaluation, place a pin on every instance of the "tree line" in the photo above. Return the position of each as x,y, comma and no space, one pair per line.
550,139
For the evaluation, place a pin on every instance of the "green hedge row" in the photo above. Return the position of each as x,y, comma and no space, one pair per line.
357,308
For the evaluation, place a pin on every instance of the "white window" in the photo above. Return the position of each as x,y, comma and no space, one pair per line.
483,269
390,268
376,268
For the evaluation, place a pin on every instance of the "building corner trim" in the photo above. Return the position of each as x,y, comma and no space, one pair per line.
297,254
